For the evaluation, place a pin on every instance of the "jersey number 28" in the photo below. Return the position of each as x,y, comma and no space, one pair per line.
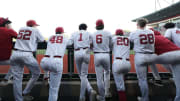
24,34
56,39
146,38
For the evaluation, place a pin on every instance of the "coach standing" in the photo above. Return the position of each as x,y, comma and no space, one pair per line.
6,45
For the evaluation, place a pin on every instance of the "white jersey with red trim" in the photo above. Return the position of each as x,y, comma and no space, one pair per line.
28,39
101,41
57,45
174,35
121,46
81,39
143,40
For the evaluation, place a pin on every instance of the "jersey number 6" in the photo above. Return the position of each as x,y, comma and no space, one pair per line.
98,39
24,34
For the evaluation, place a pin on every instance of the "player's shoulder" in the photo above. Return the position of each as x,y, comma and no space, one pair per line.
148,31
75,33
133,32
29,28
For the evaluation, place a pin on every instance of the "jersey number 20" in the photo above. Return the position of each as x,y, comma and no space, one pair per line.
122,41
24,34
56,39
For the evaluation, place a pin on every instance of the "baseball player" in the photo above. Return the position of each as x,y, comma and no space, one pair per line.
173,34
121,64
101,48
143,40
168,53
6,36
53,61
82,40
25,45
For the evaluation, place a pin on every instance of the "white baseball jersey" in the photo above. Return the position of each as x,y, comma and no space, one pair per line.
56,45
174,35
143,41
121,46
28,39
101,41
81,39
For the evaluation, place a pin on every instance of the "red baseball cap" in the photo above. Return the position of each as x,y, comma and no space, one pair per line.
31,23
99,22
4,21
60,29
119,32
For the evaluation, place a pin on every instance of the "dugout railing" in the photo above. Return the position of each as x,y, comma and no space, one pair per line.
70,72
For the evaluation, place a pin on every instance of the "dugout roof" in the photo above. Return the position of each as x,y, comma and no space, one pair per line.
163,14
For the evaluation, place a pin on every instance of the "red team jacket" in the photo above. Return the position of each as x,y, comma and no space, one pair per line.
163,45
6,44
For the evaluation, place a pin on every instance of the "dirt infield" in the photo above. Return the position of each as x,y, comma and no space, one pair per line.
4,69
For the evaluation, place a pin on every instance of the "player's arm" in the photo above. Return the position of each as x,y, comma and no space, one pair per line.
12,33
40,38
111,43
71,40
91,41
168,34
131,45
131,38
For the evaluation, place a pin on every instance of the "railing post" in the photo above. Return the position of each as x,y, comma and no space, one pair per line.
70,61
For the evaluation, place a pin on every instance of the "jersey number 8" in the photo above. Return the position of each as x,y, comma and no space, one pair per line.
56,39
146,39
24,34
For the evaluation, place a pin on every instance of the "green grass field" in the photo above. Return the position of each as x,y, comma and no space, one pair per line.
42,51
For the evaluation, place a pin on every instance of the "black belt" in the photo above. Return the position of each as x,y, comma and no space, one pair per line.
80,48
121,58
56,56
22,50
100,52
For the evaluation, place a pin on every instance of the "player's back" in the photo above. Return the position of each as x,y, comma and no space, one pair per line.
28,39
121,46
81,39
143,41
56,45
101,41
174,35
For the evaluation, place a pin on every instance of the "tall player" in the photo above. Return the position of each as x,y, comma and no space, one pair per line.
143,40
25,45
53,61
82,40
6,45
101,48
121,64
